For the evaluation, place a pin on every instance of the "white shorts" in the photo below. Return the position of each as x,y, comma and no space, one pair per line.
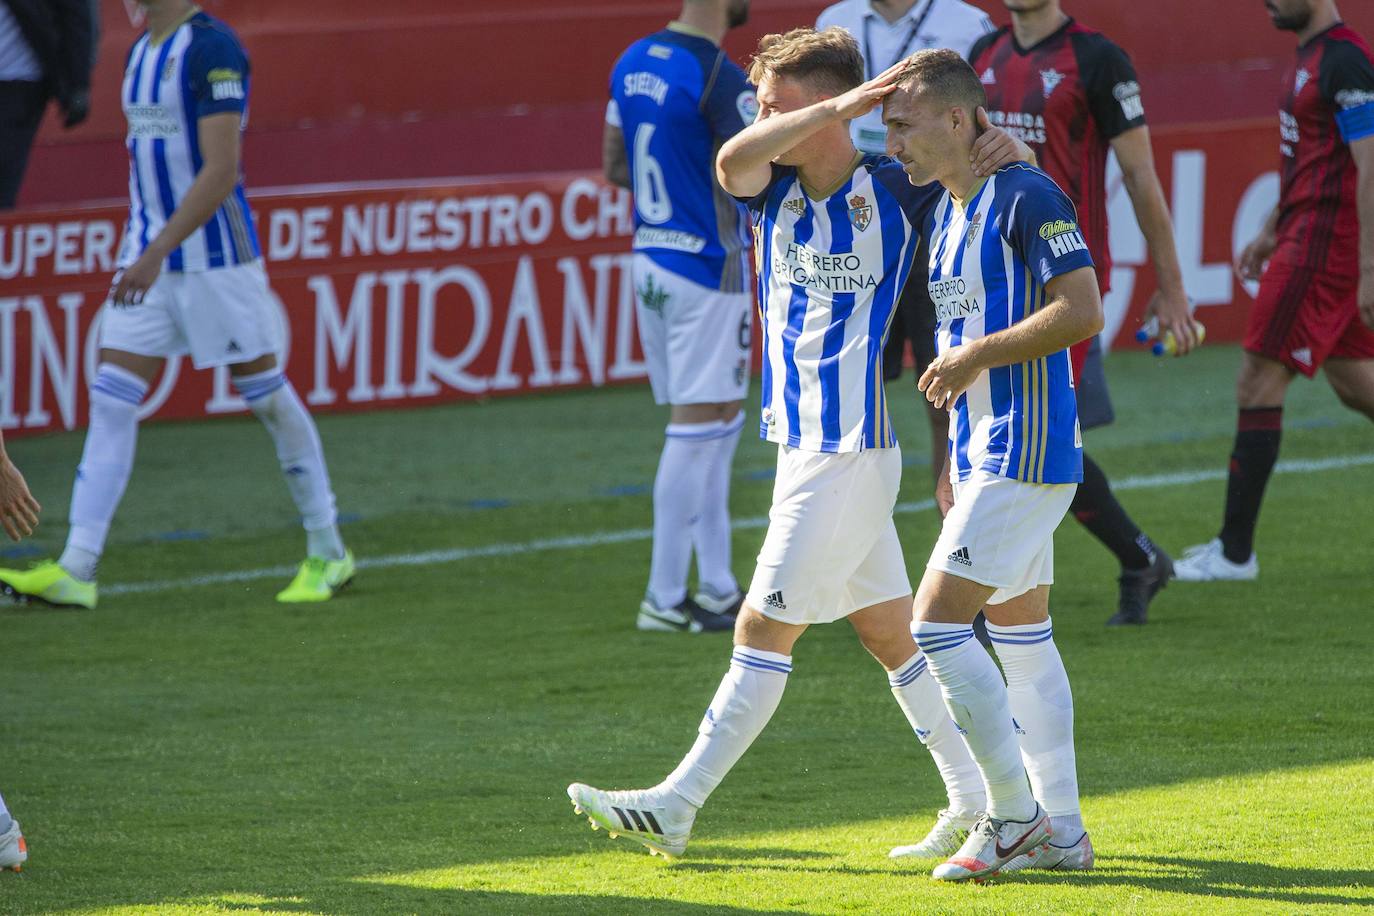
696,340
224,316
831,547
1001,533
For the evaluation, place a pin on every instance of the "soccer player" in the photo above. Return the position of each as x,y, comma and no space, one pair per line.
1318,283
1072,95
190,280
1014,288
887,31
18,516
835,234
675,98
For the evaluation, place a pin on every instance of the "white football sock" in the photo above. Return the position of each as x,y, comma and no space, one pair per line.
745,701
5,818
977,701
274,401
711,533
1042,705
920,698
678,491
107,460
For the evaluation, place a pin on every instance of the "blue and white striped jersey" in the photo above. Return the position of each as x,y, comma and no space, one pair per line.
989,263
199,70
677,97
830,273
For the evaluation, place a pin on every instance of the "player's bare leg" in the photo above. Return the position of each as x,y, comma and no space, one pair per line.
885,631
691,506
661,818
1353,382
1260,392
978,701
1022,636
273,400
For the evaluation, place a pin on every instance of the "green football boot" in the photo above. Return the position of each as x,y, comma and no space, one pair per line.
318,580
49,583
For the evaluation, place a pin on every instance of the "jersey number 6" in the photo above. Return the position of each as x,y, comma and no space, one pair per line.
651,190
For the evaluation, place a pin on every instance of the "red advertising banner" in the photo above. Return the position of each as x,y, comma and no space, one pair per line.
438,291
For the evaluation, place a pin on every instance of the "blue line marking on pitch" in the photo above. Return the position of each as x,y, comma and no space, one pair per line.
629,489
489,503
182,535
21,551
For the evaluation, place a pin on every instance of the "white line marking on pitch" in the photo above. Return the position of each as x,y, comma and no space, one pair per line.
576,541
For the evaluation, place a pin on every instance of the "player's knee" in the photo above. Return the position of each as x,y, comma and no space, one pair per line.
1261,383
1358,398
116,389
756,631
891,649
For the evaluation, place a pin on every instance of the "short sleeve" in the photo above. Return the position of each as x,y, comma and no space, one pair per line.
1347,82
1043,227
1112,89
613,113
217,70
730,104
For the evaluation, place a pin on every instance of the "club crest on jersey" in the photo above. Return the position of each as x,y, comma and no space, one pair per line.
170,67
1300,80
860,212
973,226
1050,80
797,206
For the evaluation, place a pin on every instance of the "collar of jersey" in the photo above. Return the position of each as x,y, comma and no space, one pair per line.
1322,34
825,193
972,195
1016,45
909,14
685,29
154,42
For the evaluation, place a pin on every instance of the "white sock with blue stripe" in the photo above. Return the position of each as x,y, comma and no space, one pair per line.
977,700
711,534
1042,706
924,706
679,490
107,460
274,401
745,701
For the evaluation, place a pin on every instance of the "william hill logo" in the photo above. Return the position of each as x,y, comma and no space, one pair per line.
1057,227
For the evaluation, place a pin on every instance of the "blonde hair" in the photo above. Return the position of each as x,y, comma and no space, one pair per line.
943,76
828,59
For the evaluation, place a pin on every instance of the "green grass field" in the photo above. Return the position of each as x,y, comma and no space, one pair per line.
192,748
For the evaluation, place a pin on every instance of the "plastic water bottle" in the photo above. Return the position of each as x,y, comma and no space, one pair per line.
1166,344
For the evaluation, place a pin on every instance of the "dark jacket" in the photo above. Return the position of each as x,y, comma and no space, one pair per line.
62,34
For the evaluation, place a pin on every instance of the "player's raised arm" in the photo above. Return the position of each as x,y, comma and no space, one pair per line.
744,164
18,509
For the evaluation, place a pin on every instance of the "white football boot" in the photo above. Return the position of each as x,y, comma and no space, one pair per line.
950,830
1078,857
655,818
1207,563
993,843
14,852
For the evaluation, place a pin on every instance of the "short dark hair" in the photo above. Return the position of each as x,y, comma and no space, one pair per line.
941,74
829,58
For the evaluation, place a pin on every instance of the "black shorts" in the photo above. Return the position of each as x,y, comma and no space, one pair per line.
914,321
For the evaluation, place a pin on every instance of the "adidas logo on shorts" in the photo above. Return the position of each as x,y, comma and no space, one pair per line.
775,601
961,556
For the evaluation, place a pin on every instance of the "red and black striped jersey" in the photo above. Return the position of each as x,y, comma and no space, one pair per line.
1327,103
1067,97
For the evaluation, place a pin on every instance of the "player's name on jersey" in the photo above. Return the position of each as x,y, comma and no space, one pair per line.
952,299
1024,126
648,84
837,273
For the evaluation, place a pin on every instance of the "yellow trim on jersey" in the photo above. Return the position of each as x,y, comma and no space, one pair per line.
154,41
824,194
1025,421
972,193
1045,409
